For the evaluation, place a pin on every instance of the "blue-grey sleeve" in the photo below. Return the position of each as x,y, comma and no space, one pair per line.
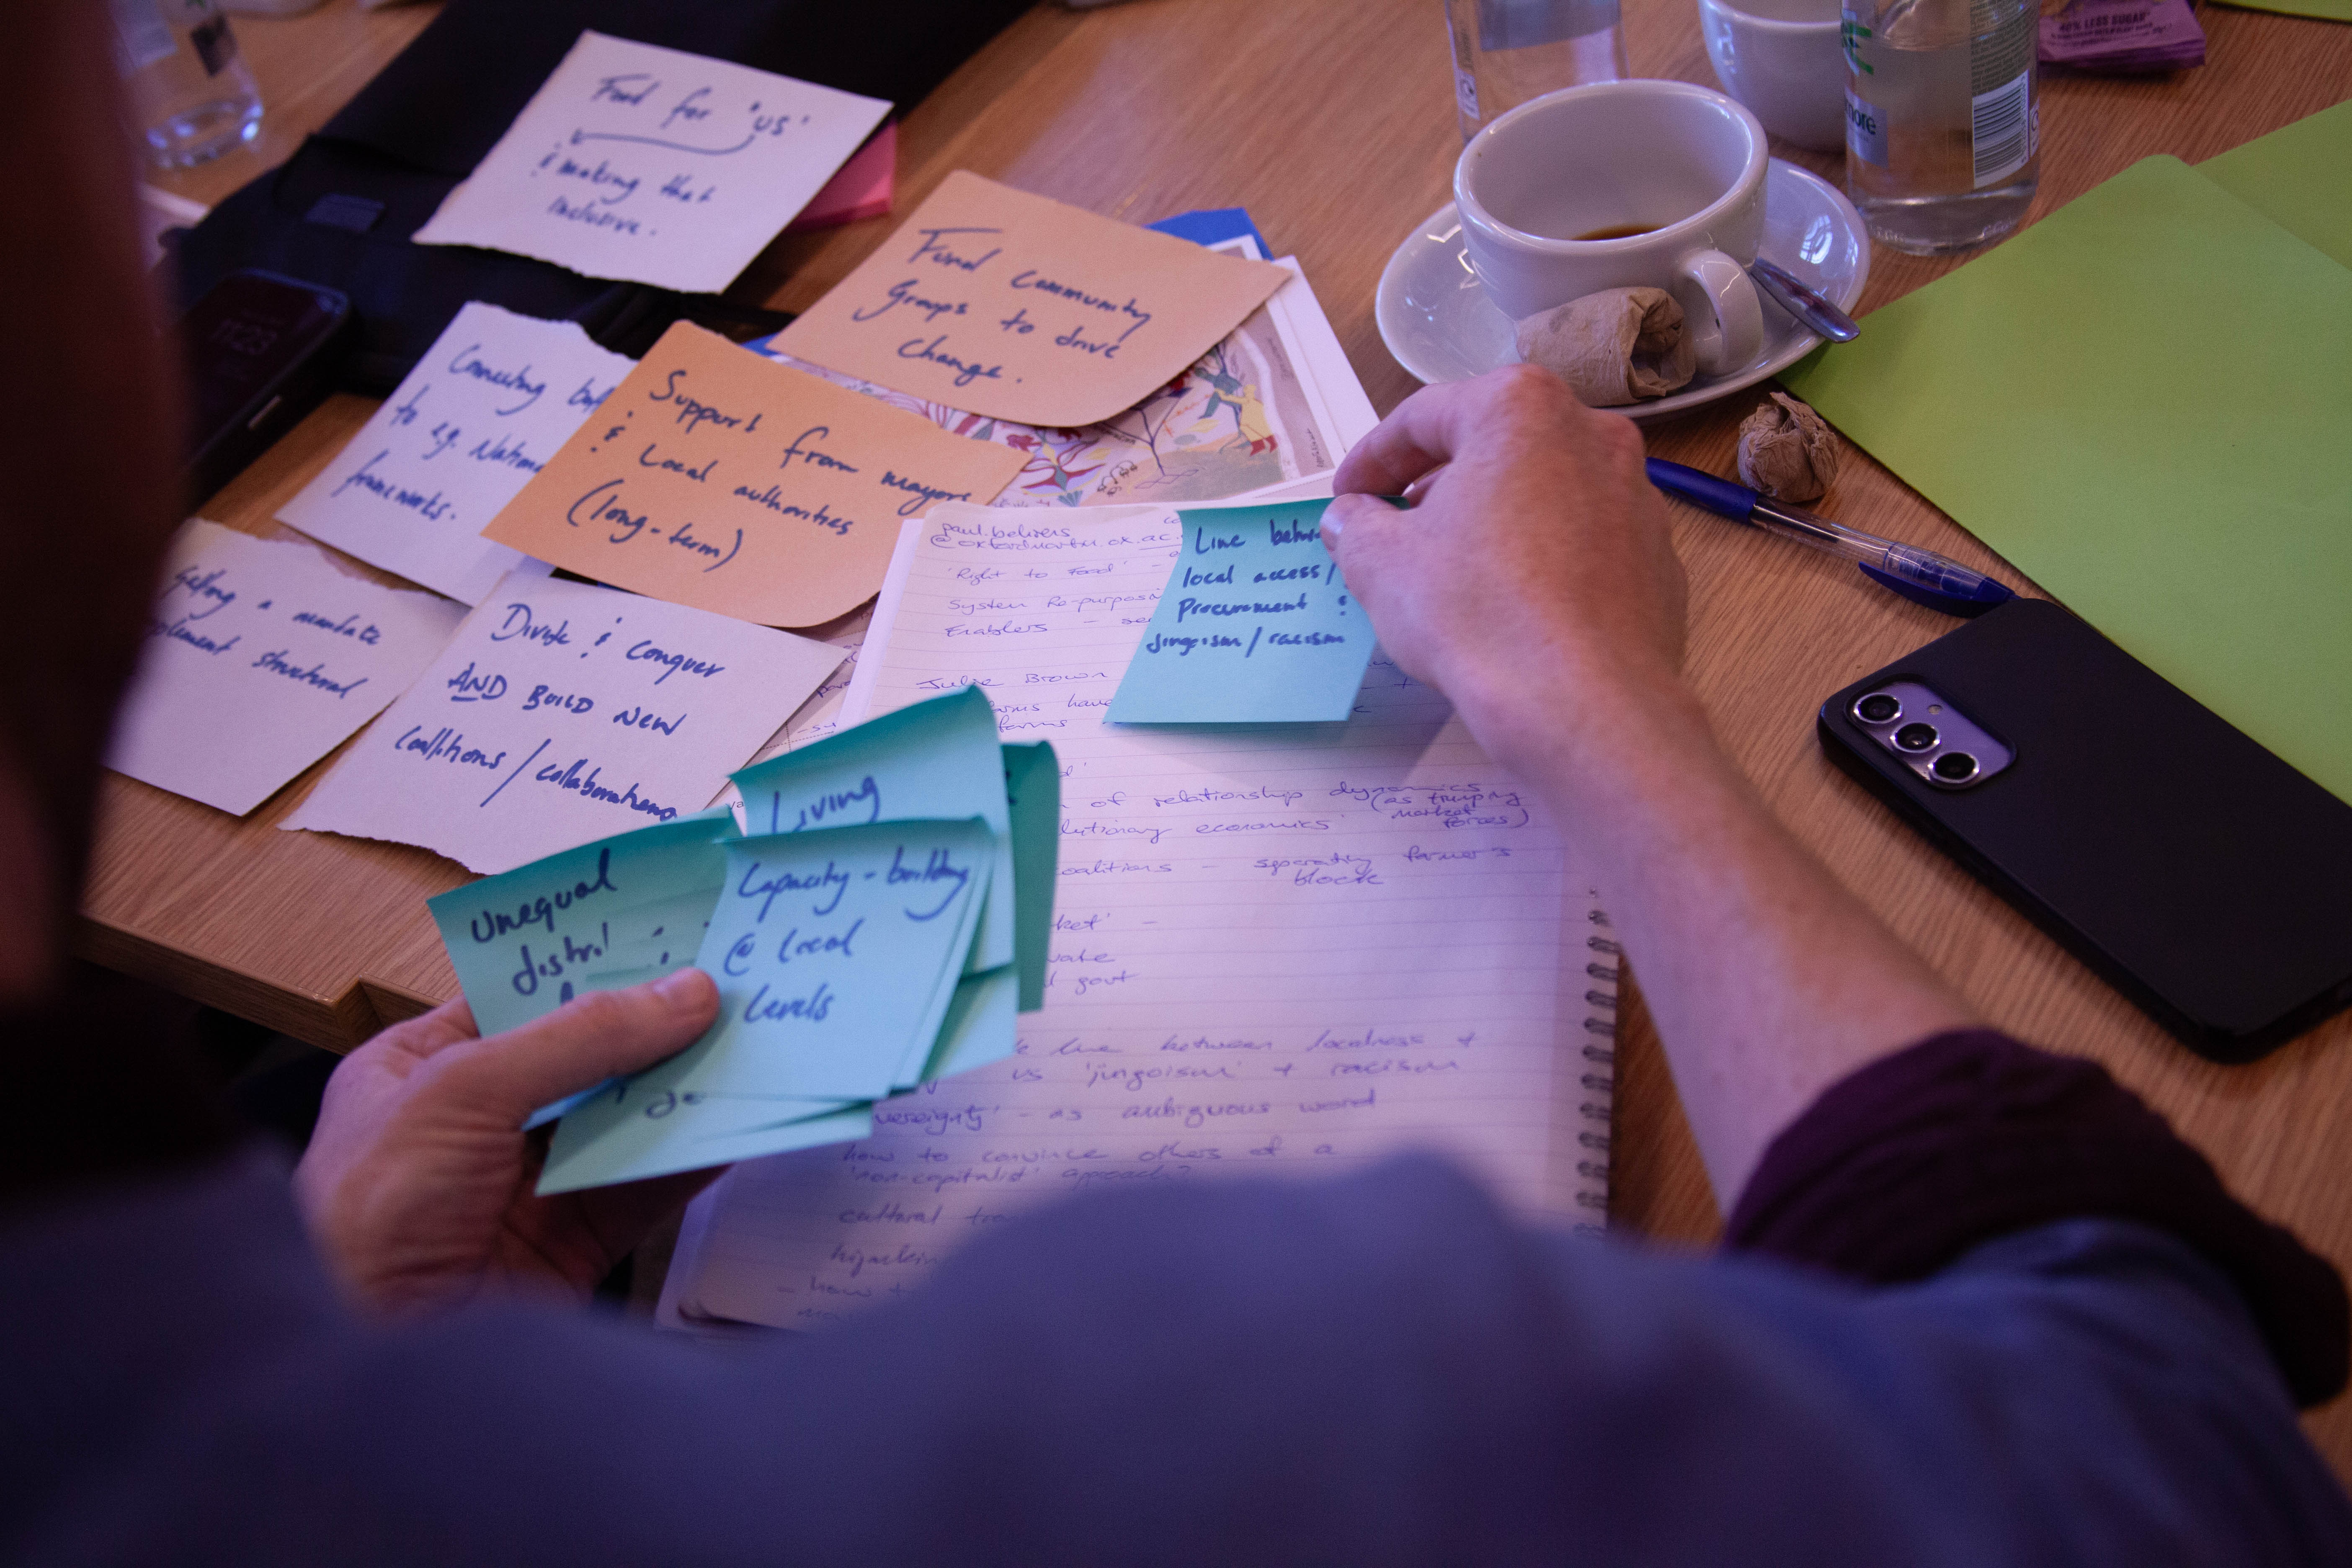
1384,1369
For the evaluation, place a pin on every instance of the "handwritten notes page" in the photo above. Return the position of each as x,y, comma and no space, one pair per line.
563,712
1008,304
1253,626
1275,402
261,657
650,164
482,412
716,477
837,953
1292,949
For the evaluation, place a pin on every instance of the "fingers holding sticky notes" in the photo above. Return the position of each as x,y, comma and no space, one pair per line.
716,477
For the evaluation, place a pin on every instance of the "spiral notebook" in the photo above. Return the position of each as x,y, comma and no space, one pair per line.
1279,950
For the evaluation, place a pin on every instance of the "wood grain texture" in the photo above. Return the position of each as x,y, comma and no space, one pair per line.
1333,123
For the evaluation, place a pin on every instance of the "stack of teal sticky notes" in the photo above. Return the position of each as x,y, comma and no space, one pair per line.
878,925
1254,626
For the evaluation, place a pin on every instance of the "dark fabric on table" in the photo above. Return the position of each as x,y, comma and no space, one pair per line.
429,116
1913,1160
1378,1370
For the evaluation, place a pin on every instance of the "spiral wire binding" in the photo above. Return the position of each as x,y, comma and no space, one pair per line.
1598,1077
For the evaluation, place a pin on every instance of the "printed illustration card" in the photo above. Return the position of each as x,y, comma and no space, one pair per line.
563,712
1000,302
261,657
716,477
1254,626
836,954
482,412
645,163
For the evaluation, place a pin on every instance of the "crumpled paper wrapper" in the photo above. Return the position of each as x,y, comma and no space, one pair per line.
1788,451
2123,37
1619,346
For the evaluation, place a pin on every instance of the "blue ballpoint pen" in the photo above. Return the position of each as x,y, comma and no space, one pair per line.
1918,575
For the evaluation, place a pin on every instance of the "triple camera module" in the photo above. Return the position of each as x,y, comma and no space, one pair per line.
1935,739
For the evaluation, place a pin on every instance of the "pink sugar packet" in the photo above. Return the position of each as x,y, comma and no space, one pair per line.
2123,36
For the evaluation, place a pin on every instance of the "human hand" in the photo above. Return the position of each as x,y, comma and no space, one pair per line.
418,1186
1536,546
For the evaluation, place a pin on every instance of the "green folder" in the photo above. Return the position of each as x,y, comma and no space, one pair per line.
2145,403
2326,10
2300,177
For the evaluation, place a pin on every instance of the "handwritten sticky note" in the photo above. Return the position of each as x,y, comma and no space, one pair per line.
562,712
836,954
260,658
646,163
716,477
1032,789
525,942
934,759
484,410
1004,303
1253,627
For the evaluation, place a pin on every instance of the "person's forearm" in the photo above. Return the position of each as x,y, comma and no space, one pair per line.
1768,981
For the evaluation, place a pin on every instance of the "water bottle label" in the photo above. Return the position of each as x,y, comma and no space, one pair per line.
1865,130
141,36
2001,129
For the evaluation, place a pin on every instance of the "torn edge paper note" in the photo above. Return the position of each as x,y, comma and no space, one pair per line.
261,657
563,713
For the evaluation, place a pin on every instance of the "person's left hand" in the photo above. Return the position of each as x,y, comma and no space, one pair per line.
417,1185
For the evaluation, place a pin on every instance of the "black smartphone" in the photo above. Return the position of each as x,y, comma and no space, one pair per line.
260,351
2196,873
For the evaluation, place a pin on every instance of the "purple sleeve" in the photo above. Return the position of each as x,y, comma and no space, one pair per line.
1901,1167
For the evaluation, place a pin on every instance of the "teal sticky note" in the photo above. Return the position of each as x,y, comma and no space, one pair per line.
523,941
837,953
1032,790
643,1146
1254,626
980,1028
936,758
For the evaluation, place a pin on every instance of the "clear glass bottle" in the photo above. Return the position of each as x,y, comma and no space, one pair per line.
1943,136
191,94
1508,51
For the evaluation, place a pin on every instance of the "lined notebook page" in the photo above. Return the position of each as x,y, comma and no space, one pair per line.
1277,949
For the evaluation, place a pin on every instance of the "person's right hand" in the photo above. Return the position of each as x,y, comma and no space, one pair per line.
1536,547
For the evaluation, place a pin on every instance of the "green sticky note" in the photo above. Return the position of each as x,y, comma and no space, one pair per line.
2143,402
524,941
936,758
1254,626
1032,789
2299,177
836,952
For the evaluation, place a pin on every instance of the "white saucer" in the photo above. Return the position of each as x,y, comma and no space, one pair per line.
1436,319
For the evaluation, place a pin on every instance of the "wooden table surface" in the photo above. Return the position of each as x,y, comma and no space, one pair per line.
1332,122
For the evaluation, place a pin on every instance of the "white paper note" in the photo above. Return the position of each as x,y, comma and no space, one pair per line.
563,713
489,403
262,657
1276,947
650,164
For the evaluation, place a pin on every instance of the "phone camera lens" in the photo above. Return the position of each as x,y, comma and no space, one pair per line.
1954,767
1879,708
1915,737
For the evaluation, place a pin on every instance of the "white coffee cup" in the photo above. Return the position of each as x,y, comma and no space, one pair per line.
1684,164
1782,58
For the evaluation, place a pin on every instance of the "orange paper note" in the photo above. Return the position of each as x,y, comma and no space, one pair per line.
999,302
716,477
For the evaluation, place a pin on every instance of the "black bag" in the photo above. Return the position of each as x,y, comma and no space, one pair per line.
341,211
